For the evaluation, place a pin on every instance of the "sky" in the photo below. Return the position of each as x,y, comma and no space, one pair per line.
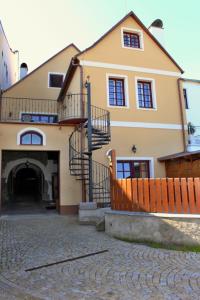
41,28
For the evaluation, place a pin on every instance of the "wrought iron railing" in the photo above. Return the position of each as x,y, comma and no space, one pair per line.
72,107
28,110
79,167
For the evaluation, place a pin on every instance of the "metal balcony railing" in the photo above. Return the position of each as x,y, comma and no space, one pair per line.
28,110
73,108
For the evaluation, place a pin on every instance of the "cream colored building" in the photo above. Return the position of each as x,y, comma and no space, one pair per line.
136,110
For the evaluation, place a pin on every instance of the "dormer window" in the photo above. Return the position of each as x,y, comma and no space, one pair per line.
132,38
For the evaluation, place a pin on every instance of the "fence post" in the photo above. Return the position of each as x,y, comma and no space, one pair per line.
112,176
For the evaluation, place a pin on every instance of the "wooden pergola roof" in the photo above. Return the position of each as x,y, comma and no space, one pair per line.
187,155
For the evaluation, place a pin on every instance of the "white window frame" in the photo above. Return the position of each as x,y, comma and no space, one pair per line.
153,90
150,159
54,73
37,130
125,78
132,30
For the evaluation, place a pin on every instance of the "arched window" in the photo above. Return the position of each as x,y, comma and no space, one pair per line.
31,138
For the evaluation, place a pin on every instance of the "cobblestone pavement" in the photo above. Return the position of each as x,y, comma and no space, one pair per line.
126,271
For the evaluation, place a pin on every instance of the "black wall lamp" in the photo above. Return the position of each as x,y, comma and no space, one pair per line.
134,149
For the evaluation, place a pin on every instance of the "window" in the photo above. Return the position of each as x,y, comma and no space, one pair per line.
39,118
56,80
116,92
133,169
131,39
31,138
185,98
145,98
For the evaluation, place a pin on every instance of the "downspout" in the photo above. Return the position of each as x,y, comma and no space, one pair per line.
182,115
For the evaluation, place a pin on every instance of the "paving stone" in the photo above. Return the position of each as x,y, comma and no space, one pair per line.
127,271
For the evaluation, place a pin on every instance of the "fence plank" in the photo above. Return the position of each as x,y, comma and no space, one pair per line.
184,195
146,194
191,196
129,195
118,194
197,194
124,194
152,195
135,194
158,196
170,182
178,203
164,195
140,194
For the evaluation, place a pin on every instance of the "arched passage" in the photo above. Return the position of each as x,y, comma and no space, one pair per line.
27,182
25,187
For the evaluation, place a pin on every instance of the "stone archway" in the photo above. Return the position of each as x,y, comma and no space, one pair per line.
25,188
29,174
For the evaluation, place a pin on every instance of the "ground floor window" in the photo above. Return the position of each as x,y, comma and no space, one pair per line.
133,169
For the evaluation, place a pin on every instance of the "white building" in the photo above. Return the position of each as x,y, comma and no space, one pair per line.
191,92
8,62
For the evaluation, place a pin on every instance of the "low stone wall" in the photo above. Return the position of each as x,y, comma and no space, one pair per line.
162,228
90,214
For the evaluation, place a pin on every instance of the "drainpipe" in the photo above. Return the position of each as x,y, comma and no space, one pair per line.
182,114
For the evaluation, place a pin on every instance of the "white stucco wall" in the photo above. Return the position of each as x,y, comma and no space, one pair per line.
193,96
193,112
8,62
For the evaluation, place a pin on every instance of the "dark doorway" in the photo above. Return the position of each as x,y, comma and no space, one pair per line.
26,183
27,188
30,182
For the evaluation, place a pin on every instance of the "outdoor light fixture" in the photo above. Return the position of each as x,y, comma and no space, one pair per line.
27,164
134,149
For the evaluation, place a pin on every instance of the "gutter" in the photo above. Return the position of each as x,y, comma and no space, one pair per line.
71,70
182,114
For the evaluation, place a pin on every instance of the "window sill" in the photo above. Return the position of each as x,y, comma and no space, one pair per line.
120,107
131,48
147,109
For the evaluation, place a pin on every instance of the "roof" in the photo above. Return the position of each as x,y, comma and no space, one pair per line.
52,57
191,80
6,37
180,155
69,75
73,66
131,14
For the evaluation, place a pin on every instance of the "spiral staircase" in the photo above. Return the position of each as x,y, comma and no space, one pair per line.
91,133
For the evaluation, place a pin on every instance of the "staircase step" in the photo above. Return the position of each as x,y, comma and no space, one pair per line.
79,164
96,148
80,169
99,143
100,139
80,158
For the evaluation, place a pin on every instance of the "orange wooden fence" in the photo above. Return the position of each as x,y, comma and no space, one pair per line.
165,195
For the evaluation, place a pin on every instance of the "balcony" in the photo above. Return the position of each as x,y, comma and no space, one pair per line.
72,110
